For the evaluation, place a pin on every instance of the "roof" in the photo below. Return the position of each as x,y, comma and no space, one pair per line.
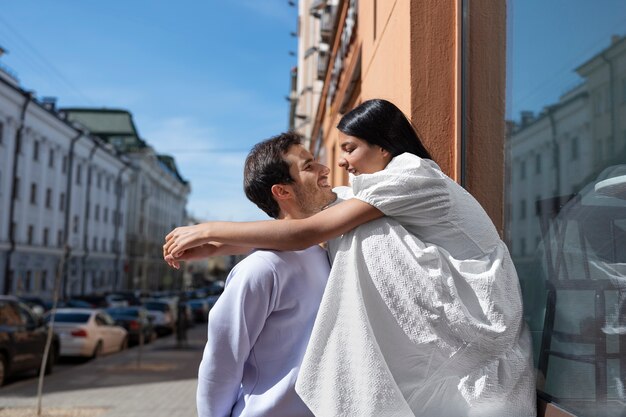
114,126
170,165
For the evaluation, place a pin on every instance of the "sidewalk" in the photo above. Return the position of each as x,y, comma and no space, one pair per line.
164,385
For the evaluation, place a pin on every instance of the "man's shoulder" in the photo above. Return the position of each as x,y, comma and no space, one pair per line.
273,257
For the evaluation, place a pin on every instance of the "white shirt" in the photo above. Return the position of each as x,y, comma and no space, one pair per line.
422,315
257,335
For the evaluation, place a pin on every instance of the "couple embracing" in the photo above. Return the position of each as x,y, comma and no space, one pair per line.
418,314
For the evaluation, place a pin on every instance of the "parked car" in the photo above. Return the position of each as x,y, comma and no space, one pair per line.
162,315
116,300
136,321
212,299
23,339
36,304
87,332
200,309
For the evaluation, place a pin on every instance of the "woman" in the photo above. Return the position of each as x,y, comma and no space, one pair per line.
422,313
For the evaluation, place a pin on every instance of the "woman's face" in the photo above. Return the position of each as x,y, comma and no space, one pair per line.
359,157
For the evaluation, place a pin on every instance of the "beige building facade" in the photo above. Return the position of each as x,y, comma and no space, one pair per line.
413,54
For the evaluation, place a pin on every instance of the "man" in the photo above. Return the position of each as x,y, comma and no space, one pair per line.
259,328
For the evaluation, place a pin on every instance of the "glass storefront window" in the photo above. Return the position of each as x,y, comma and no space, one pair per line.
566,195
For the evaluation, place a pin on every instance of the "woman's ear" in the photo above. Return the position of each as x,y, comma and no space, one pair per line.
386,155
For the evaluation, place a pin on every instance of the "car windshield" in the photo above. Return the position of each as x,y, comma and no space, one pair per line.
69,317
157,306
117,312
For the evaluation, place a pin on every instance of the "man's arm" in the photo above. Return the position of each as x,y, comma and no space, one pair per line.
235,323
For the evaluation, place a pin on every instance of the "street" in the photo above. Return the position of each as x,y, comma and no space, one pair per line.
163,384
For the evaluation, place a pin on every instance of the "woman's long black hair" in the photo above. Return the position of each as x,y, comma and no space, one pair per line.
380,122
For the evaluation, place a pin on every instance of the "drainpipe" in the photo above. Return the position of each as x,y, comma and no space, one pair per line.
611,100
18,139
556,155
68,209
118,206
86,223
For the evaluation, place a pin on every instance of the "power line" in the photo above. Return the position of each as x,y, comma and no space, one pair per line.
48,67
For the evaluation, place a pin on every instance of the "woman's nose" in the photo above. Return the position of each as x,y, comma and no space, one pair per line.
342,163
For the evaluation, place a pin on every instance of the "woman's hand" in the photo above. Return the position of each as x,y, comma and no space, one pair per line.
185,237
199,252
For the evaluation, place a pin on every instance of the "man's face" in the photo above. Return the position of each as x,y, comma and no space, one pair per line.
311,188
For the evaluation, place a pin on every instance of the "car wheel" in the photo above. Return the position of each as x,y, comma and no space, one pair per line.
124,344
97,352
3,369
52,358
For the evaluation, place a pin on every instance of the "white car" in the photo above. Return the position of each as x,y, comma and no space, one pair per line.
87,332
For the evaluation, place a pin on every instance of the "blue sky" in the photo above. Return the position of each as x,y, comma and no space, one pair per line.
548,39
201,75
196,76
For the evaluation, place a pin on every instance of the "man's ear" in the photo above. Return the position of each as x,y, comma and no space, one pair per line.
281,191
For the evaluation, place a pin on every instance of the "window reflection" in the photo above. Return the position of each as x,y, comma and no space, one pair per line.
566,191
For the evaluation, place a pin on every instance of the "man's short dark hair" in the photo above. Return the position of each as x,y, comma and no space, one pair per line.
266,166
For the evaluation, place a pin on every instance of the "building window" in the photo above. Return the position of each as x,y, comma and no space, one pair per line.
104,244
51,158
64,164
60,238
538,164
95,244
1,133
575,150
597,103
36,151
16,186
75,226
48,198
108,184
27,281
610,146
79,174
96,214
522,209
44,280
522,170
33,193
45,236
538,206
598,151
99,180
106,214
30,234
62,202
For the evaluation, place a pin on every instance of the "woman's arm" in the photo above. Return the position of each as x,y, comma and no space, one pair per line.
285,234
204,251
